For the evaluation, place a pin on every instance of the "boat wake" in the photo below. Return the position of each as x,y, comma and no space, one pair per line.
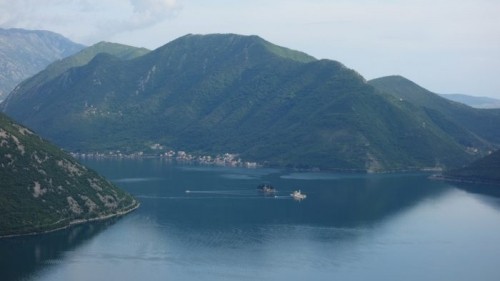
222,192
219,194
282,197
198,197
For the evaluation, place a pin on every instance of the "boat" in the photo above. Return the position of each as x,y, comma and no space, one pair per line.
297,195
266,189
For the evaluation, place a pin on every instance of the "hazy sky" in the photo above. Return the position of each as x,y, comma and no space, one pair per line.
446,46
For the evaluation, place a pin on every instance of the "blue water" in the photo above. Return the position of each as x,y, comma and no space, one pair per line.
350,227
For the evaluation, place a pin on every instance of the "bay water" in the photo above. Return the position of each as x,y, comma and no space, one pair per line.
210,223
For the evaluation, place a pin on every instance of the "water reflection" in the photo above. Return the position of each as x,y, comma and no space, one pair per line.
21,257
337,200
487,193
350,227
346,203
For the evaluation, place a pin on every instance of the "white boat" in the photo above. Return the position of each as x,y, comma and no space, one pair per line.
297,195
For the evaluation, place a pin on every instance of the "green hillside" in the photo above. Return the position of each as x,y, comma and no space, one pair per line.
81,58
42,188
240,94
471,126
484,170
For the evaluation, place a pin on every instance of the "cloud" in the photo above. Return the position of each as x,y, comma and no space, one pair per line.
87,21
148,12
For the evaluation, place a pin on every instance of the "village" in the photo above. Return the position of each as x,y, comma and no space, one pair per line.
158,151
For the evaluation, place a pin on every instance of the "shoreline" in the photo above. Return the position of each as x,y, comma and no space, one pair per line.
258,165
463,180
78,222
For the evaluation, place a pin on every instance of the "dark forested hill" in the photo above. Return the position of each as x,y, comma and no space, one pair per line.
484,170
42,188
23,53
463,122
240,94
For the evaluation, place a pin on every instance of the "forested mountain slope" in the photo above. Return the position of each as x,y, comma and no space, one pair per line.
240,94
42,188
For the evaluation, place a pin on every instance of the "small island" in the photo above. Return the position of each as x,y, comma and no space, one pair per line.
267,189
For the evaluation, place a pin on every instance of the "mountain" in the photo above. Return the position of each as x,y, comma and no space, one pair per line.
477,102
81,58
472,127
23,53
484,170
43,188
241,94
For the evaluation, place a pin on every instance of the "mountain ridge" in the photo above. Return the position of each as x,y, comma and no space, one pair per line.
231,93
25,52
81,58
475,126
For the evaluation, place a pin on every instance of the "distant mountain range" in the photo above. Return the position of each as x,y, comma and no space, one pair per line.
241,94
43,188
23,53
477,102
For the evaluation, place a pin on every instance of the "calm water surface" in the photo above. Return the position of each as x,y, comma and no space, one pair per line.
350,227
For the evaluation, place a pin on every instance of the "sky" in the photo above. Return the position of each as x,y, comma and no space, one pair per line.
446,46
